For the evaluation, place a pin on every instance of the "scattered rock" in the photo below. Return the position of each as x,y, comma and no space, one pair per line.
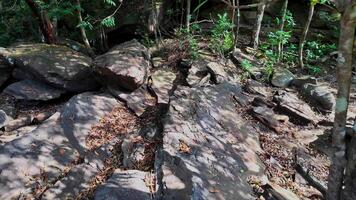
157,62
269,118
294,107
255,87
133,150
58,66
299,82
125,66
201,157
162,85
256,71
138,101
217,72
281,193
123,185
282,78
319,96
30,90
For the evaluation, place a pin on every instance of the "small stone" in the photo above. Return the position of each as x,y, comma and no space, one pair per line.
162,85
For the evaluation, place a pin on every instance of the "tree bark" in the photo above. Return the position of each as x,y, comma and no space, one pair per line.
82,29
187,22
281,27
237,22
344,73
304,34
44,22
257,28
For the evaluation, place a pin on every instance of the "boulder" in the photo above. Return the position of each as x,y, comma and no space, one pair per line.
319,96
125,66
30,90
208,151
55,65
282,78
124,185
162,85
41,156
198,75
255,87
8,105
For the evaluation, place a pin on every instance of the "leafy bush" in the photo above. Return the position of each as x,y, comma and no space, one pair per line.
222,39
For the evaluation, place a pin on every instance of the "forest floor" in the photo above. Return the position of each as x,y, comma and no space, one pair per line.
294,138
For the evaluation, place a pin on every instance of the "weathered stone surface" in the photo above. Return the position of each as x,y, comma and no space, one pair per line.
30,90
198,75
137,101
8,105
294,107
59,66
282,78
269,118
319,96
125,66
133,153
4,76
162,85
208,150
124,185
51,147
255,87
299,82
3,118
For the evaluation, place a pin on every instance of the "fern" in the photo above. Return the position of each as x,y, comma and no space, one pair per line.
108,22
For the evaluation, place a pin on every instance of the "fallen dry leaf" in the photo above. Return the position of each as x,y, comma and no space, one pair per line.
184,148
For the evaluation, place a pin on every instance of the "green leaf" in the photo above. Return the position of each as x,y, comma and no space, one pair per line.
110,2
108,22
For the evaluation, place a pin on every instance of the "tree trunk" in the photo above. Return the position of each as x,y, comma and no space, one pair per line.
304,34
82,29
187,22
257,28
344,73
237,22
281,27
44,22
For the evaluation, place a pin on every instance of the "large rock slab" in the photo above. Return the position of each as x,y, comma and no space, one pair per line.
208,149
162,85
58,66
30,90
40,156
125,66
124,185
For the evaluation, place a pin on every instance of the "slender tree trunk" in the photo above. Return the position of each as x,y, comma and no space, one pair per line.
82,29
281,27
44,22
187,22
304,34
344,73
237,22
257,28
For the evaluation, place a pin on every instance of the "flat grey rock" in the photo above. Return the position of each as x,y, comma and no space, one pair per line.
162,85
319,96
30,90
124,185
208,149
52,146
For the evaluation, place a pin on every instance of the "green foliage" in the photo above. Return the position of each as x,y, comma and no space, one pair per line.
246,65
222,39
108,21
110,2
314,70
316,50
189,36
